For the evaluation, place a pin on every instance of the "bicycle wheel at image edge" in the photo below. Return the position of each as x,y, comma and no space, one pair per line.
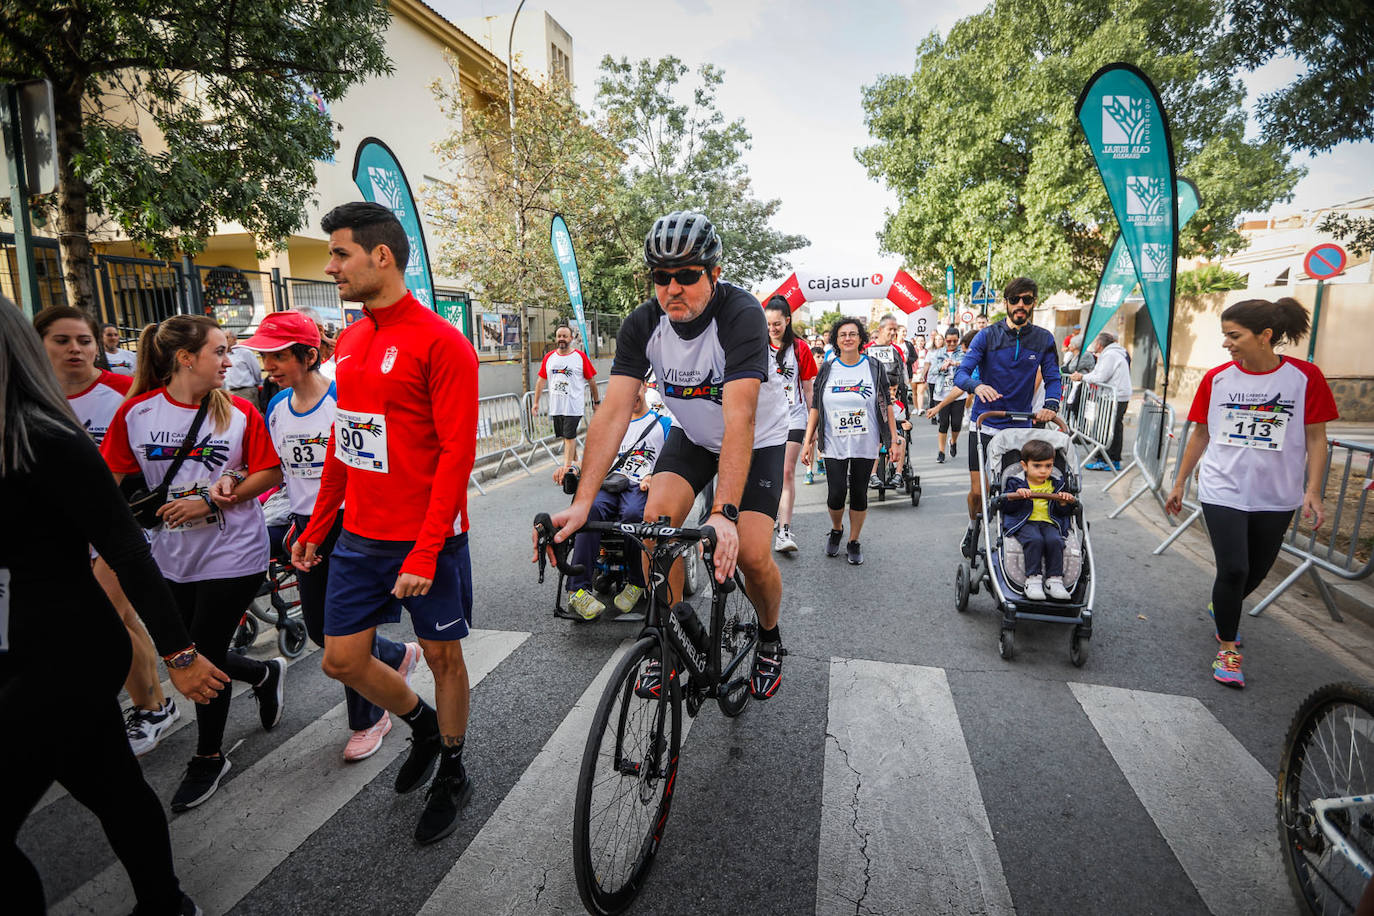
1328,754
739,634
625,784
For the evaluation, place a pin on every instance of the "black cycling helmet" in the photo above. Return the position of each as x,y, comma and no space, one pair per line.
682,237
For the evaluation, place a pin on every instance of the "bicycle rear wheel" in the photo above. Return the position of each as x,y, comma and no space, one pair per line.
625,786
1329,754
739,634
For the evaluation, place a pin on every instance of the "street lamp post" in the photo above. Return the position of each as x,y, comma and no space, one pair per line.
519,210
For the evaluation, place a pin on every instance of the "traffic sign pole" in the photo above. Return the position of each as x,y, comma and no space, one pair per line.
1316,322
19,197
1321,263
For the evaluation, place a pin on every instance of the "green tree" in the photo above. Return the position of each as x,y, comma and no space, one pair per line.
493,221
681,156
1333,100
823,322
1210,278
1356,231
980,141
172,117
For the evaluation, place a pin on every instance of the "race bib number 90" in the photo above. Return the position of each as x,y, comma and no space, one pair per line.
849,422
1249,429
360,440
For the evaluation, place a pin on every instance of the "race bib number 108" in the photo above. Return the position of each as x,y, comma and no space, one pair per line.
360,440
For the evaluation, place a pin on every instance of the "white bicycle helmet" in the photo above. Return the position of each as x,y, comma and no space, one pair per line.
682,237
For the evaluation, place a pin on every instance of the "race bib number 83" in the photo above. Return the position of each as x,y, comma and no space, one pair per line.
360,440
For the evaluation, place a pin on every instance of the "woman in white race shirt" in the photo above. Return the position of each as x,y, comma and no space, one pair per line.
794,367
212,543
94,395
300,417
851,421
1261,424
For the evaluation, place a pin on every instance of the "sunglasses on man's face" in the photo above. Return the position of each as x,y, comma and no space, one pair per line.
1023,299
684,277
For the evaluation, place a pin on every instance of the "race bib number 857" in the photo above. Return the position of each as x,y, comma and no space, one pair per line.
360,440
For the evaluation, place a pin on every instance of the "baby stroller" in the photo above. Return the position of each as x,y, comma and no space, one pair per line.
997,559
888,476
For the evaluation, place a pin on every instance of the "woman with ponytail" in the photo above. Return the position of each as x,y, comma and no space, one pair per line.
793,366
1260,426
211,544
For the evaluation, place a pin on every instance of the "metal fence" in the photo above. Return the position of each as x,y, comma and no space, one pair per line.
1190,503
1093,417
320,295
1154,440
539,426
500,431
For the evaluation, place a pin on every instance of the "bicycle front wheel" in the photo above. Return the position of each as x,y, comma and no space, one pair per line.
625,787
739,634
1328,755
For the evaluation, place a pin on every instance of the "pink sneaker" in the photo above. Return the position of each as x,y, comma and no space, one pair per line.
410,661
366,742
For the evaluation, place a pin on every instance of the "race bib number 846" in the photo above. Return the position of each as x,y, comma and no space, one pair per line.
849,422
360,440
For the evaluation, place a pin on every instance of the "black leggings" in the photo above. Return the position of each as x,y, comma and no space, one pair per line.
1246,545
82,745
211,610
850,474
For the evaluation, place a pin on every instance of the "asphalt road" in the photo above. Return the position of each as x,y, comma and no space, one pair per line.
903,767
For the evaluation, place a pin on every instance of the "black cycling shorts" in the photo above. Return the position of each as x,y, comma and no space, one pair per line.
697,465
976,443
796,434
951,417
565,427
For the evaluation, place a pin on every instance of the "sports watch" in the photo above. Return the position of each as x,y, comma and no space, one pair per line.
730,511
182,659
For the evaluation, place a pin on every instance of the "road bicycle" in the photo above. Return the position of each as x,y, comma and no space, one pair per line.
630,764
1326,800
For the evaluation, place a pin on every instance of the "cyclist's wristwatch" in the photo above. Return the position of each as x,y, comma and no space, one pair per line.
729,510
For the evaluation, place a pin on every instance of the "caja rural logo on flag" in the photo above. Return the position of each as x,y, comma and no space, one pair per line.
1146,198
1125,123
1156,266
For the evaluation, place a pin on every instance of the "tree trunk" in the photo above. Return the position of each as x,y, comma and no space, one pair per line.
78,276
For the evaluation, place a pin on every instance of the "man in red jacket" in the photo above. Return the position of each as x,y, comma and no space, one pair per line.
404,438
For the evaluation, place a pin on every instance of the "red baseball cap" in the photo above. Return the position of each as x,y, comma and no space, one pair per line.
280,330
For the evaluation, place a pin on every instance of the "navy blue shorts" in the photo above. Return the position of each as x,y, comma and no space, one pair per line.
359,596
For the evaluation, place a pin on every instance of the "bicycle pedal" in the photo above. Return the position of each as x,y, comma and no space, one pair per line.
694,701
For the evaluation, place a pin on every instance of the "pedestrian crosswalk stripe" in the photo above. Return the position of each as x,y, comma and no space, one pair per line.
187,708
305,776
1211,800
903,828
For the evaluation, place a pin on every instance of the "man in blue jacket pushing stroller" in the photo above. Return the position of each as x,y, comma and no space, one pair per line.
1037,511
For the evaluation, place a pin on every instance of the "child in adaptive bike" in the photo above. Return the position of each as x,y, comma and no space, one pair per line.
1039,524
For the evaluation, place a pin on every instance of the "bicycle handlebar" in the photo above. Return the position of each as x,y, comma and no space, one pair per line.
543,523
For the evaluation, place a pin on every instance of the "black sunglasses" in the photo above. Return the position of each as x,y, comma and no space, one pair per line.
685,277
1024,299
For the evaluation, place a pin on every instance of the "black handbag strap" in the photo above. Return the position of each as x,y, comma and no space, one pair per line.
184,451
648,427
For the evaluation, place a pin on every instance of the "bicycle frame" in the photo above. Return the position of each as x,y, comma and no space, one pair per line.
1321,810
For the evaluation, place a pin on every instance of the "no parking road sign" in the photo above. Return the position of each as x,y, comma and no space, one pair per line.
1324,261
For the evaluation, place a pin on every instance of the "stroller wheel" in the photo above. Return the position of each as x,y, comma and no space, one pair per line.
961,590
291,639
245,635
915,495
1078,648
1006,644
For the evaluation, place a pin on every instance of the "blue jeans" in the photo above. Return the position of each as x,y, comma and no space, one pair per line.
1042,542
617,507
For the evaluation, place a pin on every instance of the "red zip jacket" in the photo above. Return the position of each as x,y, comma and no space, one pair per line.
405,433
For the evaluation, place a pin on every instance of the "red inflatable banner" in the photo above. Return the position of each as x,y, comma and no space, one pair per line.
891,283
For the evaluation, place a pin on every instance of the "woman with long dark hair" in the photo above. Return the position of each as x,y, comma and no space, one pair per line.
212,543
1260,427
62,648
793,367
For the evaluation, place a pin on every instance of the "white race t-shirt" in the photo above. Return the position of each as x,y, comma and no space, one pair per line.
144,437
95,407
302,443
1256,454
851,411
567,377
121,361
643,453
798,368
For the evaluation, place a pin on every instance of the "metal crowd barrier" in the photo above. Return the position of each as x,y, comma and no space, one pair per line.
538,427
500,432
1190,503
1324,554
1093,417
1150,456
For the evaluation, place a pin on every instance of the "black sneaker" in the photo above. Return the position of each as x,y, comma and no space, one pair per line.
187,907
649,684
200,782
939,457
767,670
832,542
954,447
445,796
853,554
419,764
271,694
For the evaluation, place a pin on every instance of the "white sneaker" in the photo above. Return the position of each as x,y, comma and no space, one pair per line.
1034,588
783,542
1055,586
145,727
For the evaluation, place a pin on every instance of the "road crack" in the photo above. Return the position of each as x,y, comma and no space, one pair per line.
854,824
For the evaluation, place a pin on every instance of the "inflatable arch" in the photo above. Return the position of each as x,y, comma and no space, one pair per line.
886,282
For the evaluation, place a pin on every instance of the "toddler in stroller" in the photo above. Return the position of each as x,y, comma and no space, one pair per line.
1037,511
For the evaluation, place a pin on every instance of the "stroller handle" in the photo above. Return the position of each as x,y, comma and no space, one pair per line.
1019,416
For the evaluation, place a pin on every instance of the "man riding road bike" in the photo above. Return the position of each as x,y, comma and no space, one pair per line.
707,343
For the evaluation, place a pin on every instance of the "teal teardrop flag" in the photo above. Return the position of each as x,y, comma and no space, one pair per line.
561,240
378,175
1118,278
1127,130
